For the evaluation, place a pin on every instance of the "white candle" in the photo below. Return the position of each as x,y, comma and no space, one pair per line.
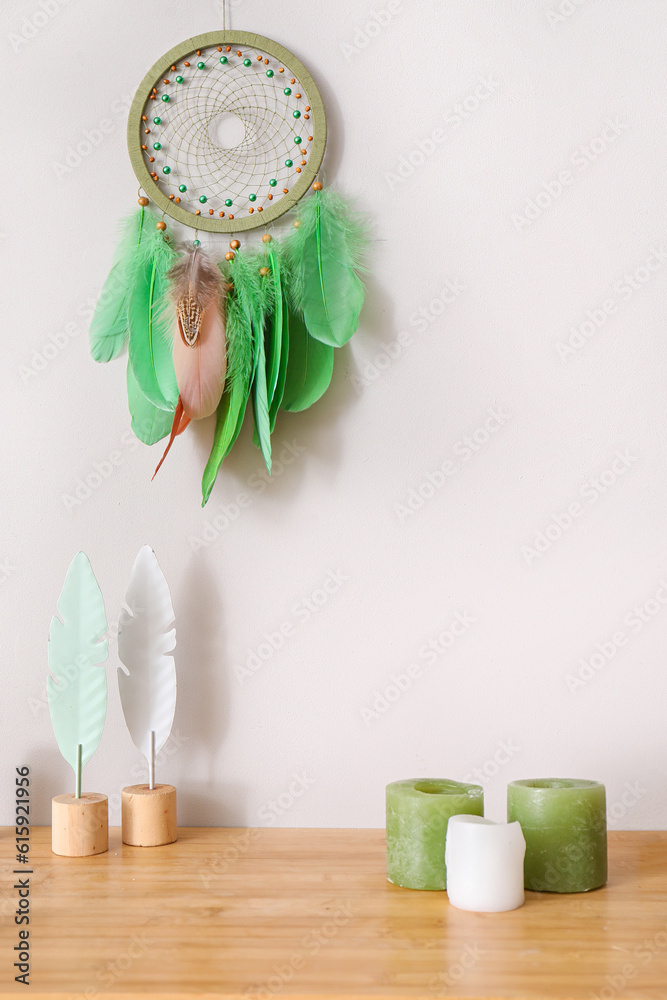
484,864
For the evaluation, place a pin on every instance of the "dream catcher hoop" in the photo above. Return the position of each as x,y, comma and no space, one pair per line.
257,329
188,97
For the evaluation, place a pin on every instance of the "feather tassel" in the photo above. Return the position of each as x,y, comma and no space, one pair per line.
200,355
325,254
150,348
109,326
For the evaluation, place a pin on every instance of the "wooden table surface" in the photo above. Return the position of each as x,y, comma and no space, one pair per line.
309,914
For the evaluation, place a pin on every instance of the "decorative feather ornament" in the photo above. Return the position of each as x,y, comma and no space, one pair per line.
150,342
77,689
109,326
264,330
325,254
146,637
200,355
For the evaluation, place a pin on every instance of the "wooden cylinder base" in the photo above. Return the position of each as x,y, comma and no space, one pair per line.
80,827
148,815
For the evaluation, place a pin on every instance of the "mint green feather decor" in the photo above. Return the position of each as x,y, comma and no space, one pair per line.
77,687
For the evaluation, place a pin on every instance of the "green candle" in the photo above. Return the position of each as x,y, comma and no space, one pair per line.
418,812
565,825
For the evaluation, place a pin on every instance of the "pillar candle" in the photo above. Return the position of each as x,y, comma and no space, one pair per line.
564,822
417,815
484,864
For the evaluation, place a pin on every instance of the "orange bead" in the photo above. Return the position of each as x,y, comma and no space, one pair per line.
161,226
239,53
231,216
292,80
229,255
298,170
147,131
198,52
264,271
171,197
186,63
144,118
310,138
303,163
317,186
259,58
173,69
250,211
151,159
219,48
298,97
154,175
142,201
281,70
228,48
259,208
307,108
307,117
210,211
285,190
266,62
198,212
177,200
221,214
235,244
297,224
144,147
266,238
165,81
270,197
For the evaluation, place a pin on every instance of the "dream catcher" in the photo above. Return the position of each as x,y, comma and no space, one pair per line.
226,134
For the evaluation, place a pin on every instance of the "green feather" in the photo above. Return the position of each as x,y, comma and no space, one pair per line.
108,327
232,406
150,334
260,401
309,368
149,423
77,691
324,254
284,360
274,326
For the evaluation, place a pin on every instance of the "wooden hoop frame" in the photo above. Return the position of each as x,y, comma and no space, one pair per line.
315,148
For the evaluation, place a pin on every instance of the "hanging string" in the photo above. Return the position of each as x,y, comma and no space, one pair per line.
224,15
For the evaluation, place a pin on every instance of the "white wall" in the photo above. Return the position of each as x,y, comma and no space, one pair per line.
457,220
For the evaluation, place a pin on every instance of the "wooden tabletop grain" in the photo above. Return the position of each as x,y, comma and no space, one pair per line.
240,913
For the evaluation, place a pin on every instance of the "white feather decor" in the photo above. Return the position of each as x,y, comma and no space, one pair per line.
146,637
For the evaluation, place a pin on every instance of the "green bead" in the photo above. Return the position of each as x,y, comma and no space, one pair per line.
157,121
296,114
182,187
196,243
273,182
157,145
287,91
228,202
165,98
252,197
269,73
203,199
246,62
179,79
288,163
166,170
298,139
201,65
223,60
